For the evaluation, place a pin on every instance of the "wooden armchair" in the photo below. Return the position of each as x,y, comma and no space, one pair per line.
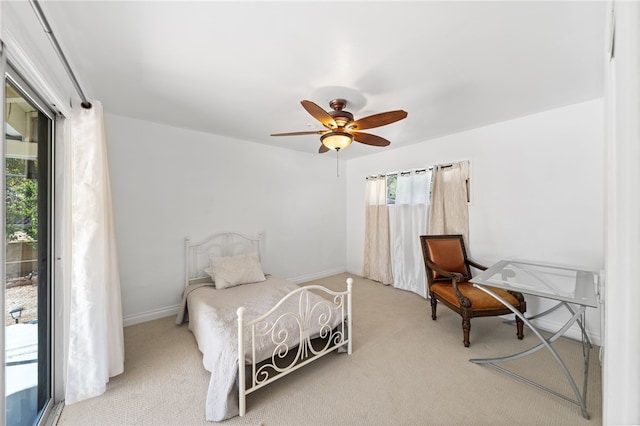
448,273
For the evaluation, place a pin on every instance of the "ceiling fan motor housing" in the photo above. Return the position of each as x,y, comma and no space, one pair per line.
341,117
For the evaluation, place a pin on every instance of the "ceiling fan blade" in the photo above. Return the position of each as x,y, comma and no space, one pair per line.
378,120
322,149
319,114
314,132
369,139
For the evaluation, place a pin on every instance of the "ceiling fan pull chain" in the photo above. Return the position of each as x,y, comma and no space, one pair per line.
337,164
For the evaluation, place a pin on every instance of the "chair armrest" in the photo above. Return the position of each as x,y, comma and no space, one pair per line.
476,265
520,298
456,277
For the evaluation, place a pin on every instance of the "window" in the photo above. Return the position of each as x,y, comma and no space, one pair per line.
392,183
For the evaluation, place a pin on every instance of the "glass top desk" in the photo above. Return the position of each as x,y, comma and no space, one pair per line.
571,288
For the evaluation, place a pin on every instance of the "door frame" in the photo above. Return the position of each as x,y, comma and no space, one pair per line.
46,255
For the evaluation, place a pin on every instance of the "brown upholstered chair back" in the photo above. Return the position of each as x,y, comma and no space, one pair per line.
448,253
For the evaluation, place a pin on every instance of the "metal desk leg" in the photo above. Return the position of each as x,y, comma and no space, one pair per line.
578,315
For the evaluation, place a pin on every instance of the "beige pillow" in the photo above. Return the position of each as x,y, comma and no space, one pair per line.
231,271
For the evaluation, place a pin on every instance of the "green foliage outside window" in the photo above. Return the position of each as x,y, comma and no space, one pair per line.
21,202
392,182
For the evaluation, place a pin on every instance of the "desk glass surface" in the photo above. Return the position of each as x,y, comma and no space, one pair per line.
550,281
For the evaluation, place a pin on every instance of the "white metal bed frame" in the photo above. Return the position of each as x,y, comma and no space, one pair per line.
284,359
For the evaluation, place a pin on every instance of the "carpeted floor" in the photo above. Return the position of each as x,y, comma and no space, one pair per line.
405,370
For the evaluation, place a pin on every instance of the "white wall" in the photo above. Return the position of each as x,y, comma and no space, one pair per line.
621,366
169,183
536,189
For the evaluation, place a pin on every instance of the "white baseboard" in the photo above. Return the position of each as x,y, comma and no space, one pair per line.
316,276
150,315
354,270
573,332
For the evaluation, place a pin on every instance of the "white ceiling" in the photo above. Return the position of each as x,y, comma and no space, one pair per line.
240,69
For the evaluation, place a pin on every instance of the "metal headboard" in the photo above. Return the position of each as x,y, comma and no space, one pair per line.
198,255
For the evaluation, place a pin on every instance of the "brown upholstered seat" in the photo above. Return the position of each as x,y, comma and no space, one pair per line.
448,272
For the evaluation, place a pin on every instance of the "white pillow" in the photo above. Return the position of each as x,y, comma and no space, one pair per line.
231,271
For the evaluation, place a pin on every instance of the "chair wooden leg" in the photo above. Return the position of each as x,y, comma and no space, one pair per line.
466,328
519,328
434,305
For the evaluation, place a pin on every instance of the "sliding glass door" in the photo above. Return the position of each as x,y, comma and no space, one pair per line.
28,217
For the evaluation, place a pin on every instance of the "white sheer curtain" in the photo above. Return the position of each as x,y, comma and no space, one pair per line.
377,259
95,348
449,212
408,220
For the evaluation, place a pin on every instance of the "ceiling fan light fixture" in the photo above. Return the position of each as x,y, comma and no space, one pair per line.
336,140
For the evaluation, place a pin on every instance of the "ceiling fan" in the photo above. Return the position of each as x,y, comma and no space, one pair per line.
342,128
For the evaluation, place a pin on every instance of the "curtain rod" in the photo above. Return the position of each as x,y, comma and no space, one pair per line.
52,37
443,166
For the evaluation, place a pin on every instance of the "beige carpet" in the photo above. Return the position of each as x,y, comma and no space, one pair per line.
405,370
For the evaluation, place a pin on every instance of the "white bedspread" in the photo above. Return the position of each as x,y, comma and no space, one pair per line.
213,320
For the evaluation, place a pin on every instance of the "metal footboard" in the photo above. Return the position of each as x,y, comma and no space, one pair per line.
314,330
